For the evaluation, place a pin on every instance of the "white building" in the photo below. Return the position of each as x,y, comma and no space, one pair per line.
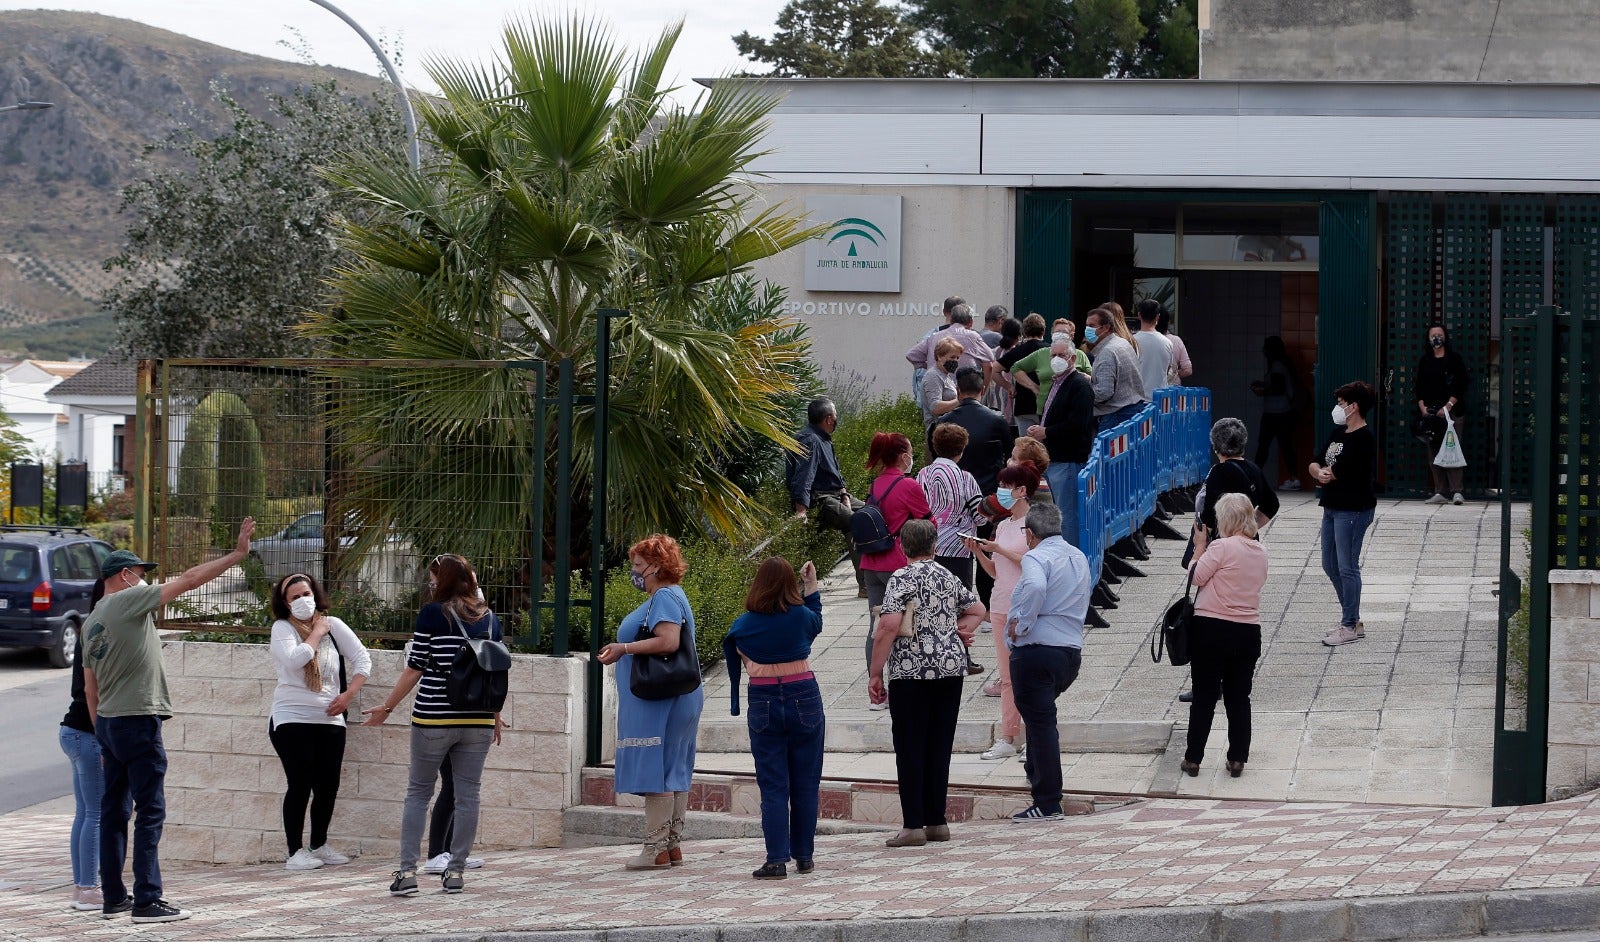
98,406
23,395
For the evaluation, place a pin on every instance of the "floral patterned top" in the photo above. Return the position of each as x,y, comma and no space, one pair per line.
935,651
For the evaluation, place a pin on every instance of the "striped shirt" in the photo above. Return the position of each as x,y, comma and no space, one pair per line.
950,491
435,641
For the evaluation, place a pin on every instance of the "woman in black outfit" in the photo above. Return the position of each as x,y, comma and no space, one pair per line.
1441,385
1278,390
1232,474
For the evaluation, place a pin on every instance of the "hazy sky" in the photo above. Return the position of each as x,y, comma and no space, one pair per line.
425,28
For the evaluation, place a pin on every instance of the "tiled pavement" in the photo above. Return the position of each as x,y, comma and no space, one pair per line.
1159,853
1405,716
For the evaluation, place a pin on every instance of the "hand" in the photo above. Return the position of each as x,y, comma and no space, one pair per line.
800,513
1011,629
1423,407
340,703
1325,476
808,576
499,724
1036,432
375,716
876,692
966,634
247,528
611,653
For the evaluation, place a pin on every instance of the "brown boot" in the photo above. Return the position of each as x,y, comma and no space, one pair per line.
680,813
657,820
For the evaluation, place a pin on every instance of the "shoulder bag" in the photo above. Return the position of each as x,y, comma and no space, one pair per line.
1173,631
664,676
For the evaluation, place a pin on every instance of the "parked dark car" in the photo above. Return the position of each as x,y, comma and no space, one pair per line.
46,577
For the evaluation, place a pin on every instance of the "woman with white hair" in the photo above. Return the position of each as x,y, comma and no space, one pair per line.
1225,633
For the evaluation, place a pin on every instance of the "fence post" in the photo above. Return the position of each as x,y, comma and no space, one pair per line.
597,554
563,548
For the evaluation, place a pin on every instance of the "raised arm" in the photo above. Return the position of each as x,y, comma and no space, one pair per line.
197,576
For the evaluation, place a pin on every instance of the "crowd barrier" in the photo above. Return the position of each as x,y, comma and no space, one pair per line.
1165,447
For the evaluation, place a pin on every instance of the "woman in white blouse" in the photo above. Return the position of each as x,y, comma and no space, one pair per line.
321,665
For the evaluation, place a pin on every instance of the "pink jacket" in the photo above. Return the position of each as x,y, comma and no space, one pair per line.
906,502
1229,578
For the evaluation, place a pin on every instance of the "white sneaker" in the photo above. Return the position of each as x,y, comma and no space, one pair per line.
1458,500
1437,499
1292,484
329,856
474,863
302,860
875,707
437,864
1000,750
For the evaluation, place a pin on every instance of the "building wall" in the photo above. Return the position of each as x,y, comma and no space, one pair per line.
1573,763
1401,40
956,240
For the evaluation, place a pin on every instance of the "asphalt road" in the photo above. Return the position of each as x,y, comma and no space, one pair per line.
33,696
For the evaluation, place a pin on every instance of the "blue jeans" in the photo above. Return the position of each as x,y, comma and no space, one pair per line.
467,748
1063,478
1039,674
786,733
1120,416
135,770
88,784
1342,534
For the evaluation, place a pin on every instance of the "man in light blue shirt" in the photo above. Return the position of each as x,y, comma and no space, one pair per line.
1045,635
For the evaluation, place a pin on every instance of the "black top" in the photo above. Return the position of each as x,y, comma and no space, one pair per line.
1354,464
78,713
989,438
1237,476
815,468
1026,402
1439,378
1070,426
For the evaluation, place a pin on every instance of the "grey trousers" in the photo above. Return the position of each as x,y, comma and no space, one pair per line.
468,748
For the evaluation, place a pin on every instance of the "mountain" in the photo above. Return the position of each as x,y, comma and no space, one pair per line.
117,86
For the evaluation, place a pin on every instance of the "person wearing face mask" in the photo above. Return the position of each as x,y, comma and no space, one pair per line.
321,667
1001,557
939,383
1024,404
1345,470
1441,386
899,498
1067,430
1035,373
1119,392
125,690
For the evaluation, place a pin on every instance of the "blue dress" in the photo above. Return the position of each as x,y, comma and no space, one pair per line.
656,738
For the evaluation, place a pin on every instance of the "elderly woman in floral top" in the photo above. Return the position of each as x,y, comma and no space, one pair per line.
926,665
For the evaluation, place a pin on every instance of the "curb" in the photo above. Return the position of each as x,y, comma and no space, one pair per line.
1365,919
853,734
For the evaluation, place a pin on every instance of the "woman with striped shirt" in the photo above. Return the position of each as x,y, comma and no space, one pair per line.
439,730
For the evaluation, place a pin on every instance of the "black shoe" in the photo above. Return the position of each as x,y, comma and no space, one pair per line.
974,669
159,911
805,866
404,883
771,871
1035,813
113,910
1186,697
452,882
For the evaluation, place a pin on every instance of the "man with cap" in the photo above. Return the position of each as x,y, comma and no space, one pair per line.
125,685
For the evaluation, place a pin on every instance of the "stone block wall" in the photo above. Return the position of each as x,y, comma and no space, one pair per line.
1573,763
225,784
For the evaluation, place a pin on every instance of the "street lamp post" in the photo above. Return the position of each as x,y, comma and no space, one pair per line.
28,106
394,76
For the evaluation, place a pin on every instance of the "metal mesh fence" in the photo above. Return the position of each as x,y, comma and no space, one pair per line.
358,473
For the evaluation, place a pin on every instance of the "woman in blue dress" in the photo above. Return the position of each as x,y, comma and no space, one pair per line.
656,738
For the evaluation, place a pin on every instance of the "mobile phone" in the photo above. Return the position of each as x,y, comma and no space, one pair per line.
967,536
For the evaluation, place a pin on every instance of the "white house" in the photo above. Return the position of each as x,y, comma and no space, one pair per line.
98,406
24,388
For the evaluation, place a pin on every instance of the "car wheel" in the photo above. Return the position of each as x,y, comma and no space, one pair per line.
65,646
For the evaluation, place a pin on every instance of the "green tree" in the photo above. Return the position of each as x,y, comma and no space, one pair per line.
1066,38
847,39
564,182
226,250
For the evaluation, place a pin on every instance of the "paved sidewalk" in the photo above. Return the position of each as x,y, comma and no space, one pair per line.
1405,716
1309,872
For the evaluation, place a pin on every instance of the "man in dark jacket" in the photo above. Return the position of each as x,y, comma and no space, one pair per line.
989,435
815,482
1067,428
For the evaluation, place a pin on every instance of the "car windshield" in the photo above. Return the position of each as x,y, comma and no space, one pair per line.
18,563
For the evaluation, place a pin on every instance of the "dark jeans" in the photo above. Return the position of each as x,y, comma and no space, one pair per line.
876,582
1039,674
1119,416
312,755
984,582
922,714
786,732
135,769
959,566
831,510
1277,427
1222,663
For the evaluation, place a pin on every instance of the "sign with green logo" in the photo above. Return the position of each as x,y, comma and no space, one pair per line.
861,249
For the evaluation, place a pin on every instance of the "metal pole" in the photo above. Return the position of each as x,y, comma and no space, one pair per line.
536,556
563,548
406,110
595,677
28,106
1538,725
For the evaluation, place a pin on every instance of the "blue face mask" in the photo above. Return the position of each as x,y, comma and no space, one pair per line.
1005,498
1090,335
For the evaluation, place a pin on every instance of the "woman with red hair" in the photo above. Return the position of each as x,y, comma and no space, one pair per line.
899,498
656,738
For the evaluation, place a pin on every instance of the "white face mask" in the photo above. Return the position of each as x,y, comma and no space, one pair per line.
1059,364
1339,415
303,607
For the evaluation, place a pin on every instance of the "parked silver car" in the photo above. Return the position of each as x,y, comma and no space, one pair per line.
391,572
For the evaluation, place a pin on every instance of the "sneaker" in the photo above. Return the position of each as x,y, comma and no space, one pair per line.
404,883
159,911
1361,630
1036,813
453,883
109,910
1436,499
437,864
474,863
329,856
1340,635
992,690
985,627
86,899
1289,485
303,859
876,707
1457,499
1000,750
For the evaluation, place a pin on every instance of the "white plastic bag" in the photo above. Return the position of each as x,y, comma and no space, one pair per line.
1450,455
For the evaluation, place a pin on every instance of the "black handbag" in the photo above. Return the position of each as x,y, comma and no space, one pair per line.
1173,631
664,676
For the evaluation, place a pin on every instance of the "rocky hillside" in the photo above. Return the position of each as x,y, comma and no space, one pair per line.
117,86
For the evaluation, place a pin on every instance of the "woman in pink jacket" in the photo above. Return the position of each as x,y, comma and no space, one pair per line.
899,498
1225,634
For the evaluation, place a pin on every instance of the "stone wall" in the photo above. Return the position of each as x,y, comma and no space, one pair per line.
225,784
1573,764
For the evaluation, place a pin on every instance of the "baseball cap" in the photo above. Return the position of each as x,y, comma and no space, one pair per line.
122,559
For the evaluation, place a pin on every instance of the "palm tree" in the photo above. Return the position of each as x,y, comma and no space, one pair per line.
562,181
